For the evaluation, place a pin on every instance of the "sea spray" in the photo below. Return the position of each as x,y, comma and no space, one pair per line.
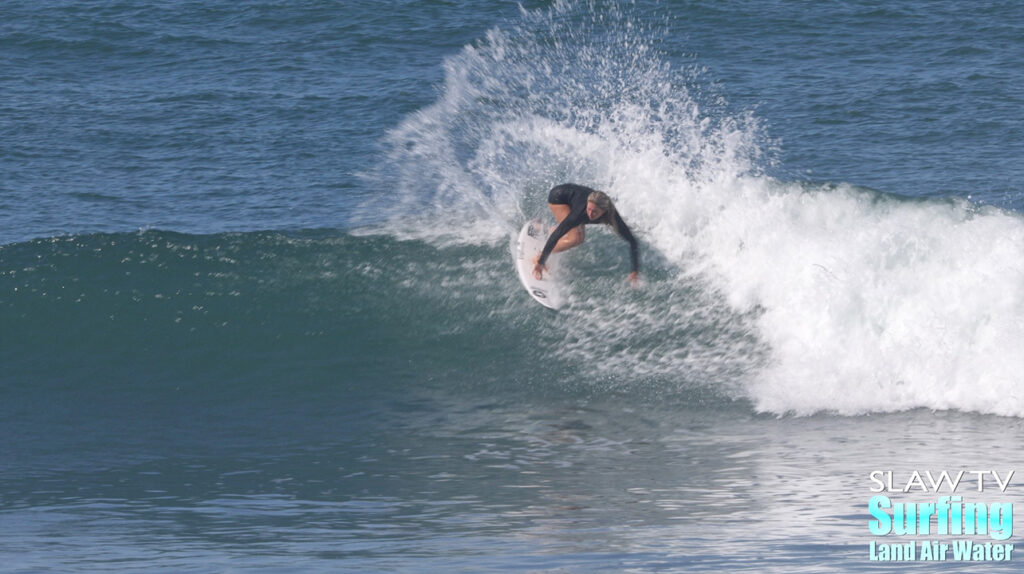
577,92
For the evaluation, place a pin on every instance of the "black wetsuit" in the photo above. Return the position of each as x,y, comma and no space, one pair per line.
575,196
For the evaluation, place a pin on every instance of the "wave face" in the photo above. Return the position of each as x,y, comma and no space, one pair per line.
799,297
250,309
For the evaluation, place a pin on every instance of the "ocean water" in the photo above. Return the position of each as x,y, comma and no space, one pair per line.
258,311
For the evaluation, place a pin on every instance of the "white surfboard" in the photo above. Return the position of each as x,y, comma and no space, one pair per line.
548,291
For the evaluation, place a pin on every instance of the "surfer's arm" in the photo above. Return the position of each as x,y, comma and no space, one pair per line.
634,248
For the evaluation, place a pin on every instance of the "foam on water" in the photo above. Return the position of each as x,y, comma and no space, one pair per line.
800,297
873,303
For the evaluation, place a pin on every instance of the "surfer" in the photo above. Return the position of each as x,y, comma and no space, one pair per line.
573,207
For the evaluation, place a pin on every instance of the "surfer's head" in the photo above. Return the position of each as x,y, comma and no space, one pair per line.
598,204
600,208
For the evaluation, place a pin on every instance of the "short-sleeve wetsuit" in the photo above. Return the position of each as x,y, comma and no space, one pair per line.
575,196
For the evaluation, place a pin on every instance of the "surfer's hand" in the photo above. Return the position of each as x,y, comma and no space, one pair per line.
538,270
634,279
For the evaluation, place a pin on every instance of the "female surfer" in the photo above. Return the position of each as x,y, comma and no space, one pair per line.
573,207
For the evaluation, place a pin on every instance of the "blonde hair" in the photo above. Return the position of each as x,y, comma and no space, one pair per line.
604,203
600,199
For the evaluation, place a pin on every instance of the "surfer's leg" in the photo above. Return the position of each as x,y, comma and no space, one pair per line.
571,239
574,236
559,210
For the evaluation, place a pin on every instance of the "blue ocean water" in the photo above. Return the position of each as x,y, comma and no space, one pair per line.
257,309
